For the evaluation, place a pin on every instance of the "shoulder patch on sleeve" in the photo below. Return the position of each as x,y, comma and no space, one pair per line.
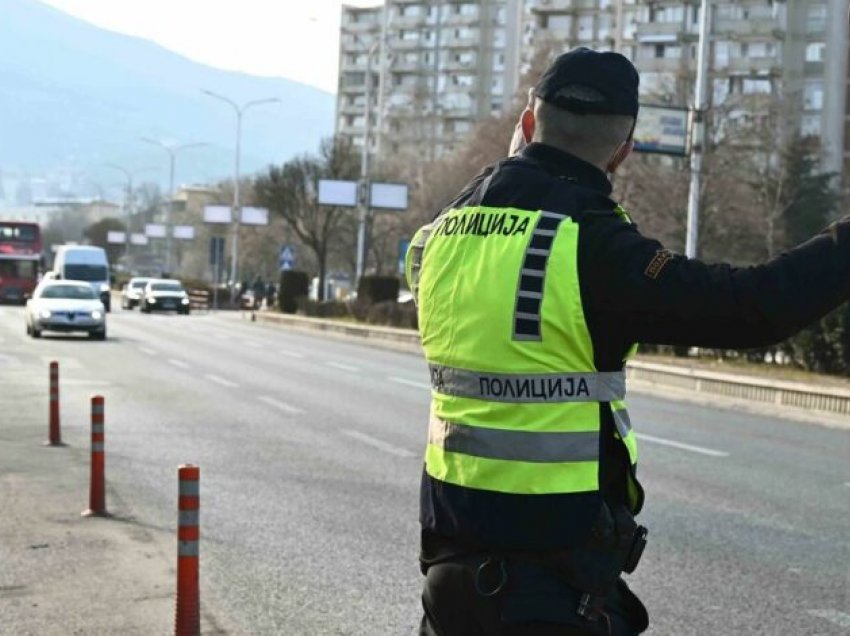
661,258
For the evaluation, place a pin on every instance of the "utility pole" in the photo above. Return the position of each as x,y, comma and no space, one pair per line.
363,211
128,206
698,131
172,151
239,110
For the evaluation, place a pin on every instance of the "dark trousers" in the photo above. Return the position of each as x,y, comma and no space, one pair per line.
529,600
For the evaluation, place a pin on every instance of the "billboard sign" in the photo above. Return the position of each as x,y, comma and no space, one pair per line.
184,232
254,216
155,230
388,196
663,130
286,258
341,193
138,239
116,237
217,214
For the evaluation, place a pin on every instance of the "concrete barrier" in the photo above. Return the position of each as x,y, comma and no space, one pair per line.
779,393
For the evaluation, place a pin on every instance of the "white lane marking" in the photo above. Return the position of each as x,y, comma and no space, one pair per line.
833,616
64,363
418,385
2,340
252,344
283,406
376,443
178,363
341,366
147,350
290,354
221,381
687,447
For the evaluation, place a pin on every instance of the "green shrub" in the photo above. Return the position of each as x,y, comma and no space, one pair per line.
294,284
376,289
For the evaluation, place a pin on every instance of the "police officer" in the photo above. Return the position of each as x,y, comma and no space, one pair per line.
533,287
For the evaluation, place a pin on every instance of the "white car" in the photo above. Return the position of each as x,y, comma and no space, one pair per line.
132,292
66,306
164,294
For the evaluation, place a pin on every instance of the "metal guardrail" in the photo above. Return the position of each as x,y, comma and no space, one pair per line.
199,299
776,392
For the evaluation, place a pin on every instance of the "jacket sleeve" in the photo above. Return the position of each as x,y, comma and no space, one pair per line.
655,296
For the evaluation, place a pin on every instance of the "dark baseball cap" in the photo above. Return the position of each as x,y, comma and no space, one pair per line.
610,74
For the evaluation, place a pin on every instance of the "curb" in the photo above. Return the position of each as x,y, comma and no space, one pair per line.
791,399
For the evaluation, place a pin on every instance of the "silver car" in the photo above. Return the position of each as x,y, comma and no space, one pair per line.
66,306
133,291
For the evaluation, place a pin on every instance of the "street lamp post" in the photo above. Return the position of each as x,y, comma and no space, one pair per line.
172,151
364,166
128,206
239,112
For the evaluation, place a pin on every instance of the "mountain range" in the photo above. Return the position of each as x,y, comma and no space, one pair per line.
74,97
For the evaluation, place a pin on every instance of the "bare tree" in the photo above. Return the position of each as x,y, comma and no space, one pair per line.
290,192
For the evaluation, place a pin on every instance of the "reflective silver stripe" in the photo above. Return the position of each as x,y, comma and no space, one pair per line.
521,446
536,273
97,428
189,488
552,215
187,548
526,316
540,387
188,517
536,252
97,447
418,249
540,232
622,421
530,294
97,409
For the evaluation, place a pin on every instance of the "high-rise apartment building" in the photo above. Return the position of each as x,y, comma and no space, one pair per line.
790,49
443,65
436,67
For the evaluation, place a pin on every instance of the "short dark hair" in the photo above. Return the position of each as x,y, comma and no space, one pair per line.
589,135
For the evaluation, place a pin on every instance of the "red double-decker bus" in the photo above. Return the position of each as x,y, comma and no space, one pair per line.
21,259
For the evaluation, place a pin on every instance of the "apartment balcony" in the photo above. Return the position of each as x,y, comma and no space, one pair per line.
745,28
459,20
361,27
400,66
408,21
398,44
353,88
354,67
458,67
461,43
658,64
567,6
662,32
753,66
352,109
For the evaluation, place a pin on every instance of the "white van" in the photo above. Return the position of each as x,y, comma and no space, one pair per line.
84,263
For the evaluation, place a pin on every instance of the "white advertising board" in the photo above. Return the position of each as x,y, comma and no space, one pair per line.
138,239
388,196
116,237
217,214
155,230
342,193
183,232
255,216
663,130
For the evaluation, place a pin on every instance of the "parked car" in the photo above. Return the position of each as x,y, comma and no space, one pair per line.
66,306
166,295
132,292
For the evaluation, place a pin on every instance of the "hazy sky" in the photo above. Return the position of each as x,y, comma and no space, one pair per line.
296,39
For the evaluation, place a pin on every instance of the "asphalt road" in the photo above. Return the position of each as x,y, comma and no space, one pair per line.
310,452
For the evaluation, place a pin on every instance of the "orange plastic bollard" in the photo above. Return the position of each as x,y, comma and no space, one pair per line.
188,611
97,489
55,435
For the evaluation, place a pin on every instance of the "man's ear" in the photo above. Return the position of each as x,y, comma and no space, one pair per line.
621,154
528,123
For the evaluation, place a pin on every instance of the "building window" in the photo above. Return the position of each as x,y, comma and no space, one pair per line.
813,95
816,19
753,86
659,50
810,125
814,51
585,27
558,23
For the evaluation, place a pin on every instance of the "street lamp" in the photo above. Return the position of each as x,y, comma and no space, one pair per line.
363,214
239,111
172,150
128,204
